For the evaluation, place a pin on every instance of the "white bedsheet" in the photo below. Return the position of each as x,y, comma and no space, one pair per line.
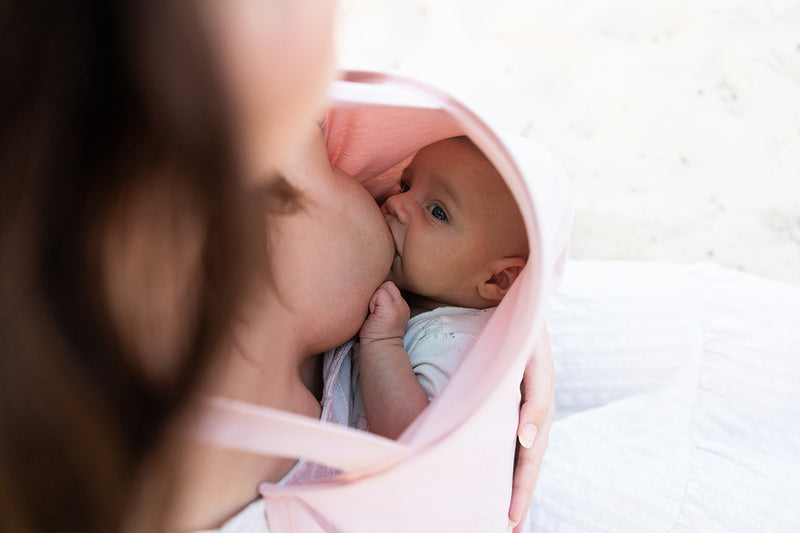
678,399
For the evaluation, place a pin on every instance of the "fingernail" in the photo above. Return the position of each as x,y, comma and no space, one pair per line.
528,435
512,524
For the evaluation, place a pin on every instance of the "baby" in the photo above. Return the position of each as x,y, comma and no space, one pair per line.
460,243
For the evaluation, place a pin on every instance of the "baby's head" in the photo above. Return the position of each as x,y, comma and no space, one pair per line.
458,232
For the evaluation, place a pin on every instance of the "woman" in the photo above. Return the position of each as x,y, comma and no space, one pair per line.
129,133
122,235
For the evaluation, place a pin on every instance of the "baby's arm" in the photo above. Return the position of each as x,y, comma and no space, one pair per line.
392,395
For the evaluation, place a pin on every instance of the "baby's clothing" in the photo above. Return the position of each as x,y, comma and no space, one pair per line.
436,342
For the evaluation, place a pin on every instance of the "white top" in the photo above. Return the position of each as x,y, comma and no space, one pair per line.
436,342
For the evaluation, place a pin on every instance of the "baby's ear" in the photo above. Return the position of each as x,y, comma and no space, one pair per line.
502,274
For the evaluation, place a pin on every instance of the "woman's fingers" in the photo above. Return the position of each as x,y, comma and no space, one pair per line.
535,419
529,459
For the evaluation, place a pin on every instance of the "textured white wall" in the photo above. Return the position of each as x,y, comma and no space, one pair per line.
677,122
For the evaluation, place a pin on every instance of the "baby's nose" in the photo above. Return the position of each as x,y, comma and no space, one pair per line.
396,206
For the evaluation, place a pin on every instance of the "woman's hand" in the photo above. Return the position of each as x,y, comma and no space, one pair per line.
535,419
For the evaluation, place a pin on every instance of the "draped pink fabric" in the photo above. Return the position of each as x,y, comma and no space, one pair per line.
452,468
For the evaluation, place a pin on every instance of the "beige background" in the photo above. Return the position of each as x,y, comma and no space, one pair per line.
677,122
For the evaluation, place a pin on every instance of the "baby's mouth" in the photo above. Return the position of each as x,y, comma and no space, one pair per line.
391,223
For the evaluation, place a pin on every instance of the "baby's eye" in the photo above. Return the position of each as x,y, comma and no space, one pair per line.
439,213
404,187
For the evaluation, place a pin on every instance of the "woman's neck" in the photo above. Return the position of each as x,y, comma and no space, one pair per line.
260,365
265,366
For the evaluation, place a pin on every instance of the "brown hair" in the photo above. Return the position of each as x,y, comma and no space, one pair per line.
120,244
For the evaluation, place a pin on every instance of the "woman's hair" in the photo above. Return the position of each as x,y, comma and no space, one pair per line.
121,240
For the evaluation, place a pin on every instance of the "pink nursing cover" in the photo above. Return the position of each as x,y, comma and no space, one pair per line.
452,468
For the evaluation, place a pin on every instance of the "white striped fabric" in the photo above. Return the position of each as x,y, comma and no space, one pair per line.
678,390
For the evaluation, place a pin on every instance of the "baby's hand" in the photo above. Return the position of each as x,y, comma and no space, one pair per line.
388,316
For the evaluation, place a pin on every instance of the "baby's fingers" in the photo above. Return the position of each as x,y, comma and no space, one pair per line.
392,291
388,297
380,298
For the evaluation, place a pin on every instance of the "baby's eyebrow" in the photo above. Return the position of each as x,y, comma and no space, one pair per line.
452,193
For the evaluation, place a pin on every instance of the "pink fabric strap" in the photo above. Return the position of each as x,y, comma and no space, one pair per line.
288,513
250,428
